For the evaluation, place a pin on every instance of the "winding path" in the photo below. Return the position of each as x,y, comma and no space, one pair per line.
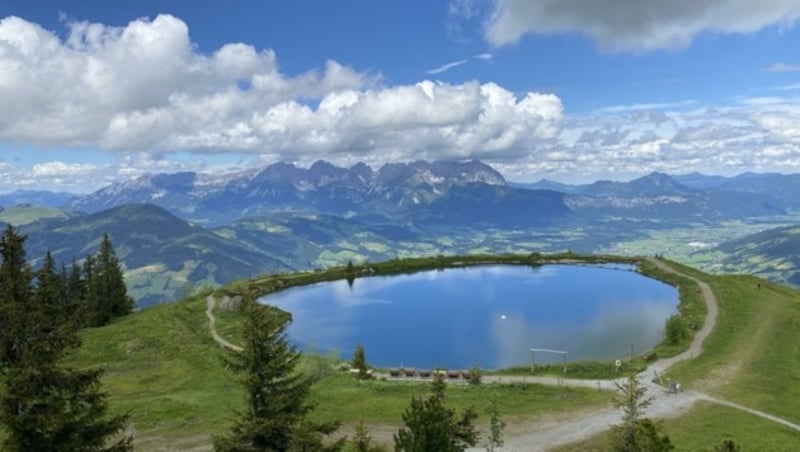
547,434
211,302
696,347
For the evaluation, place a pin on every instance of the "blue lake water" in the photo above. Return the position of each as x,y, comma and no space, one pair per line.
487,315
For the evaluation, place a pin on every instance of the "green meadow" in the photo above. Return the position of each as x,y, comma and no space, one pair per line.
164,370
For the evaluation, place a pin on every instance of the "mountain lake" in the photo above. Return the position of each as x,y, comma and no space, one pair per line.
489,315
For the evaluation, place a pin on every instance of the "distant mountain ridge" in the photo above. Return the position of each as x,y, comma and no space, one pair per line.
773,253
182,230
40,198
784,189
280,187
152,243
444,192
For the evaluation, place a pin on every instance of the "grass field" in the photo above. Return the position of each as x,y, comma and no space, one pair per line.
22,215
752,357
341,397
164,370
705,426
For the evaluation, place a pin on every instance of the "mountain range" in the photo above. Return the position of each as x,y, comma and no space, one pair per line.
446,193
177,231
394,189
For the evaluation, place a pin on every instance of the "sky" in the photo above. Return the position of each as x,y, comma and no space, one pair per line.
93,92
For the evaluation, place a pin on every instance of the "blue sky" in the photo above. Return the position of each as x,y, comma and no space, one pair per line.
572,90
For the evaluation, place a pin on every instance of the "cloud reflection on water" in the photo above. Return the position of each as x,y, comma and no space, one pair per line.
454,318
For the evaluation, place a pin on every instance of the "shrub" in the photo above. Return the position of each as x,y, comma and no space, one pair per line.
675,330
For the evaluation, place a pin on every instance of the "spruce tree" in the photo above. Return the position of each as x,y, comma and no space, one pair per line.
15,289
362,440
91,291
121,303
360,363
430,425
55,329
49,408
277,395
75,293
636,433
107,295
45,406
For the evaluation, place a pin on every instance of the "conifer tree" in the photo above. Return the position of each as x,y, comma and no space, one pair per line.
15,289
636,433
90,289
75,293
49,408
56,328
45,406
431,425
360,363
107,296
277,395
362,440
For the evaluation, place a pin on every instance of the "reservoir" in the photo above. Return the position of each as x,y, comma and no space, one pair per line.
488,315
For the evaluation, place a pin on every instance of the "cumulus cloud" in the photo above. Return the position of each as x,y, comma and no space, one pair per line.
146,87
146,92
635,25
754,134
758,134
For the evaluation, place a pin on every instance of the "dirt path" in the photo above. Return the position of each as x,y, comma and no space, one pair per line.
696,346
543,436
761,414
654,369
548,434
211,302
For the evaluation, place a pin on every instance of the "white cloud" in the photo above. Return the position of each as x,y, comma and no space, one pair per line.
145,92
145,87
782,67
460,17
757,134
635,25
453,64
647,106
446,67
61,169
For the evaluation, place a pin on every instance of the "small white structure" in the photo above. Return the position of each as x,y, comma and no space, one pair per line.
548,350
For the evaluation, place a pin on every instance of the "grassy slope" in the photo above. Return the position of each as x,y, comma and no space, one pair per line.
342,398
163,368
706,425
753,358
21,215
